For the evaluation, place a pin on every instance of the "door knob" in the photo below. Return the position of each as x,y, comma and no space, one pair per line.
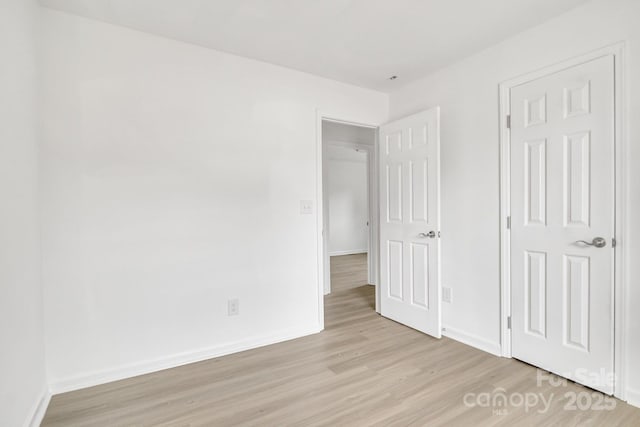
431,235
598,242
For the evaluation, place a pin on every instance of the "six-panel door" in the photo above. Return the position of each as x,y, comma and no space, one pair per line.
562,197
409,226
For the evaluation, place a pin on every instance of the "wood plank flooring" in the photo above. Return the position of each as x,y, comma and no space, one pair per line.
348,271
363,370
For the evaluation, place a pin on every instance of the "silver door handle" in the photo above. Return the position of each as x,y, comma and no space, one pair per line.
598,242
431,235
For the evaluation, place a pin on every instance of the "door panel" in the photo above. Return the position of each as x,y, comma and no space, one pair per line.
536,293
420,275
535,186
577,178
419,196
410,292
562,192
576,296
394,192
394,254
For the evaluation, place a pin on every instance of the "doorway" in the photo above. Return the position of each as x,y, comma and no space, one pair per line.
403,258
348,152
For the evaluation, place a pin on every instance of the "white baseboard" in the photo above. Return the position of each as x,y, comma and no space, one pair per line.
140,368
633,397
39,409
472,340
348,252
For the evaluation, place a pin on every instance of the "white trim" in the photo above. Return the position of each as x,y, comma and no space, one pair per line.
322,241
348,144
621,197
505,212
374,213
39,409
349,252
472,340
633,397
439,205
90,379
622,261
322,247
325,226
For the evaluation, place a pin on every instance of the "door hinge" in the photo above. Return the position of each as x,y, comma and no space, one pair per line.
508,121
614,242
509,223
509,322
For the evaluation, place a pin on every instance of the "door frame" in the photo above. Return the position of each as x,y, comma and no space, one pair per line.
373,196
621,166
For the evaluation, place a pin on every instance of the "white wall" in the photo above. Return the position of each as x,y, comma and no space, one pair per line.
172,181
22,365
348,201
468,95
336,132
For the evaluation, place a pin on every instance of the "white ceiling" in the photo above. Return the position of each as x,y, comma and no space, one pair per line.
361,42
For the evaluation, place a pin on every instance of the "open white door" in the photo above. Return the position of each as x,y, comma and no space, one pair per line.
410,221
562,207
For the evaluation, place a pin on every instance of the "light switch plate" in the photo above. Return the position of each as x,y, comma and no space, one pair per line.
306,207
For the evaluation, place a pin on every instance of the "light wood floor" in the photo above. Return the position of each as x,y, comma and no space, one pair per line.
362,370
348,271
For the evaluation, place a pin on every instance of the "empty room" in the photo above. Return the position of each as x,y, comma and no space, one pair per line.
319,213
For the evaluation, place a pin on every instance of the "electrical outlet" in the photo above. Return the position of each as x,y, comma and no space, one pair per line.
446,295
233,307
